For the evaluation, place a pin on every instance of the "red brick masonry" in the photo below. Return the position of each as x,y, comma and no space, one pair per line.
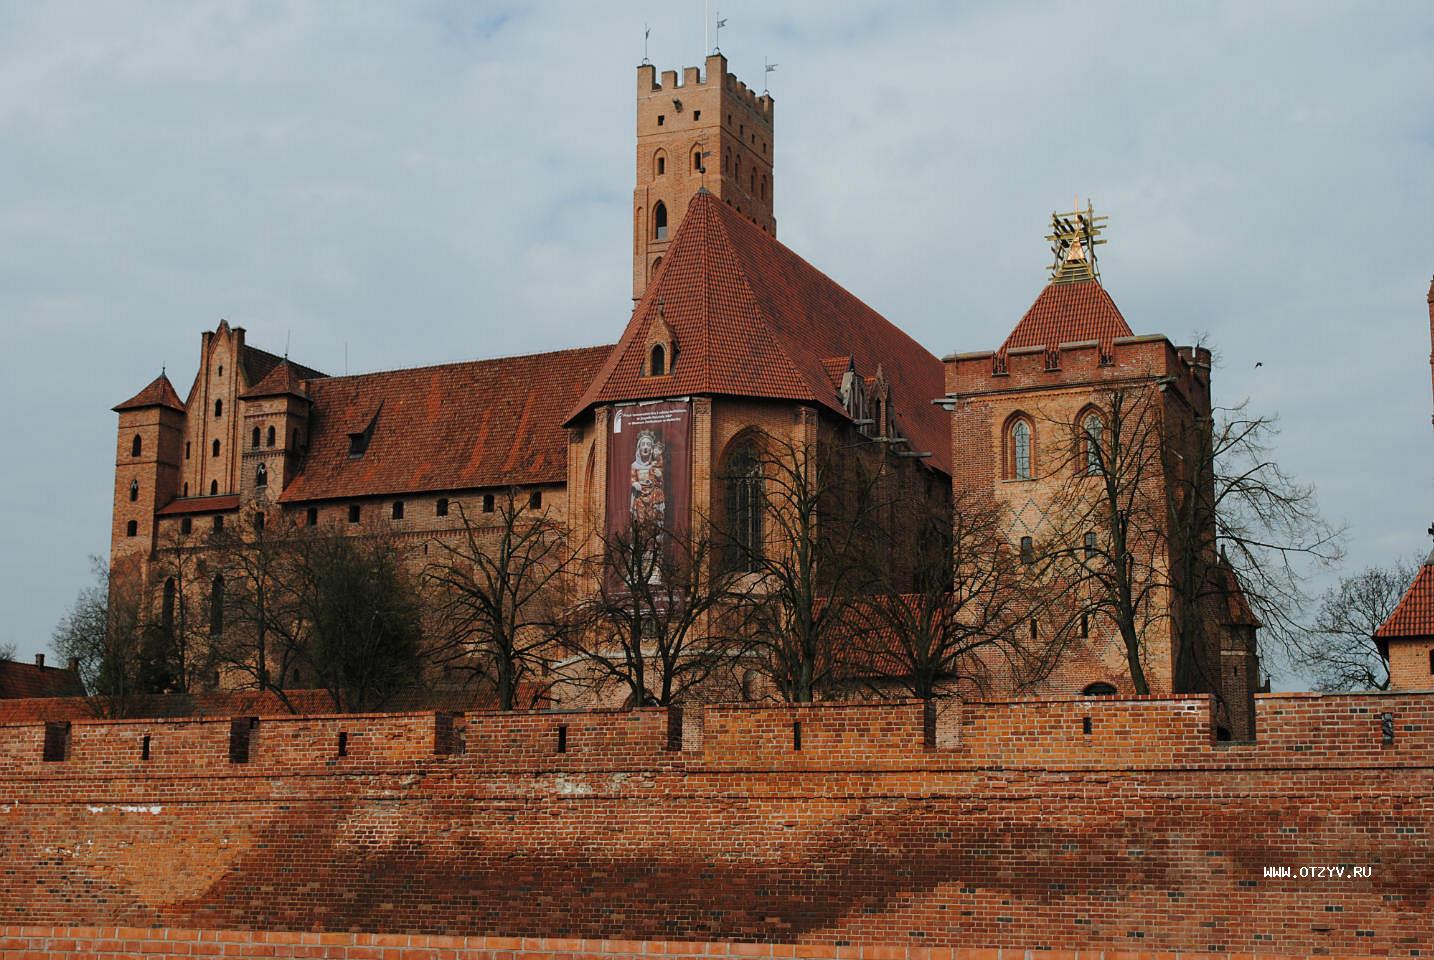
33,943
998,825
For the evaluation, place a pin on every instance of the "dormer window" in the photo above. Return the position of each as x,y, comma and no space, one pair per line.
661,347
358,442
657,365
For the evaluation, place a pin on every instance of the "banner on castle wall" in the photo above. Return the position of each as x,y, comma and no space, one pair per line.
650,468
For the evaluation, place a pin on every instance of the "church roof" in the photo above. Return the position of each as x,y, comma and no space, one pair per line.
258,364
283,379
1069,313
1414,617
750,318
457,426
159,393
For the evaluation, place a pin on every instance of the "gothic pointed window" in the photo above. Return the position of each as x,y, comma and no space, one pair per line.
136,446
657,366
661,164
1019,459
1092,432
659,221
270,438
133,490
261,476
214,488
254,440
742,488
216,448
218,408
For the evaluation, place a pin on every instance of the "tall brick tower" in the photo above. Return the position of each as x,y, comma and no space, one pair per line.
708,130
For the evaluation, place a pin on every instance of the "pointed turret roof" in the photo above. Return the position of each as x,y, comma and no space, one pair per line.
1069,313
159,393
753,319
1414,617
283,380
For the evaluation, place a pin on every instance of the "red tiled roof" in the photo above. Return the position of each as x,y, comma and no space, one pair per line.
159,393
199,505
283,378
457,426
259,363
1414,617
753,319
1069,313
31,680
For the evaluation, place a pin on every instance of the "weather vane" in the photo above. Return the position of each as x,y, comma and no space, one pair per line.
1073,238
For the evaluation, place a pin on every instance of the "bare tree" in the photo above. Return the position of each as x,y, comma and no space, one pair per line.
820,508
658,624
180,626
103,632
961,621
1338,649
500,590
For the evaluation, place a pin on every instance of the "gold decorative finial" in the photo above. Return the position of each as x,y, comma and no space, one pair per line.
1073,238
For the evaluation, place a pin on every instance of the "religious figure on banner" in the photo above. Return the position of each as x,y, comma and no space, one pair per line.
648,498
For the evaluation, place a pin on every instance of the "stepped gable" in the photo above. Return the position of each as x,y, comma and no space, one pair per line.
457,426
26,680
750,318
1414,617
1069,313
159,393
283,378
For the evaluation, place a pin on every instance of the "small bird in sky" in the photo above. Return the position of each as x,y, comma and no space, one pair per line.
1259,364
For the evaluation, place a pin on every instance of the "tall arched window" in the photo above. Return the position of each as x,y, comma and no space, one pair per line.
216,448
214,488
659,221
255,439
658,365
261,476
270,438
136,446
216,604
1020,465
660,164
1092,430
742,487
166,610
219,408
133,490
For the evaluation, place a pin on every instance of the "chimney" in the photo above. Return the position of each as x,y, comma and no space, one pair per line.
39,659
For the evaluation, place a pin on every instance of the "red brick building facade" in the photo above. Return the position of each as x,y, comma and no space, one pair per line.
741,332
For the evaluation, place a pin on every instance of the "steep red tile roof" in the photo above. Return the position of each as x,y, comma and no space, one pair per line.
159,393
283,378
1414,617
452,427
1069,313
259,363
753,319
31,680
199,505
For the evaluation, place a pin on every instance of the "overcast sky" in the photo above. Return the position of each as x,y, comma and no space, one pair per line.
417,183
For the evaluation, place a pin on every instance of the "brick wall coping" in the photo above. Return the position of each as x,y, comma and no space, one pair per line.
267,718
130,942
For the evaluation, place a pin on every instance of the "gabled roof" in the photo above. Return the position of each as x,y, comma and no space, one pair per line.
258,364
182,505
1069,313
32,680
283,379
458,426
159,393
1414,617
752,319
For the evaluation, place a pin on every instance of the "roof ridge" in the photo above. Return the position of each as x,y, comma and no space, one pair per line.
464,363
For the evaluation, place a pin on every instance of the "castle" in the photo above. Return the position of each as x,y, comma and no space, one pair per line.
1075,823
732,337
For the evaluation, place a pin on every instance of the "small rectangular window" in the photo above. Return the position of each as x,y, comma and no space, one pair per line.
218,523
144,747
57,742
353,513
311,516
1085,725
562,738
487,503
796,734
186,449
535,499
186,525
441,507
343,743
1028,550
661,119
1090,549
1386,729
1035,629
696,115
398,509
241,731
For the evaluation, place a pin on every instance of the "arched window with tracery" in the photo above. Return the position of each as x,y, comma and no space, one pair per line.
1018,457
1092,433
742,493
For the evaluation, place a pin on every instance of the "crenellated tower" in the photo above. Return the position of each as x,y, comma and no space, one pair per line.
708,130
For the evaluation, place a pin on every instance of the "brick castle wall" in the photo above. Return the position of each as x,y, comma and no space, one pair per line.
999,824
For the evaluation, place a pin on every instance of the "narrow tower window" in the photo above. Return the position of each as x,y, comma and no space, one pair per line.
261,476
131,529
270,438
214,485
133,490
219,408
216,448
254,440
659,221
661,164
1093,429
136,446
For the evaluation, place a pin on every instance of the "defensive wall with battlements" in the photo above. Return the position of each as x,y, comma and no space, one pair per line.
1090,824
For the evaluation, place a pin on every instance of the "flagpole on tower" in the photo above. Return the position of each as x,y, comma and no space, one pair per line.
646,32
